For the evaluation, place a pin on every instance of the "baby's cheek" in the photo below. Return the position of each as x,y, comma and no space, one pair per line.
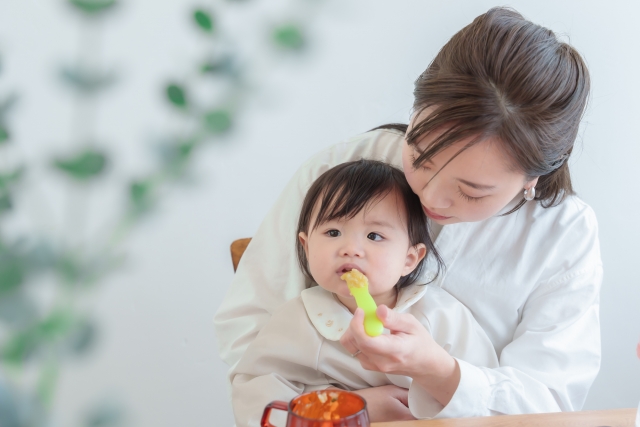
316,268
387,275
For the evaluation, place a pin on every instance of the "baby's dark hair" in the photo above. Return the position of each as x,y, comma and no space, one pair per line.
346,189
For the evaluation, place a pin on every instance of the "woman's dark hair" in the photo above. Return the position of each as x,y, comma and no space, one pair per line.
505,77
346,189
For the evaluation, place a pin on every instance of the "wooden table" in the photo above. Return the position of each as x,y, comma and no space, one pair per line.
607,418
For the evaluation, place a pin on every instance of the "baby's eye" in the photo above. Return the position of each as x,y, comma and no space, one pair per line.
374,236
333,233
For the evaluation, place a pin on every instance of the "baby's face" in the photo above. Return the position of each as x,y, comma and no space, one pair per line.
375,242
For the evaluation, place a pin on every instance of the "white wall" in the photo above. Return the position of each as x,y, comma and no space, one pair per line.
157,351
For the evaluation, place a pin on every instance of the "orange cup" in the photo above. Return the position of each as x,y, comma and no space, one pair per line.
324,408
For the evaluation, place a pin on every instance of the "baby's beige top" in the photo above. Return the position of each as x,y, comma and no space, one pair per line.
299,350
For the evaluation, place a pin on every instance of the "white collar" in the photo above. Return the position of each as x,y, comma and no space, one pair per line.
331,319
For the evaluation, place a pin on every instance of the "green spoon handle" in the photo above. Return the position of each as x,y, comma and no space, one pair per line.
372,325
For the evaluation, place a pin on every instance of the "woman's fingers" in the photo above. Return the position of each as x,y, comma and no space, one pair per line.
394,321
348,340
357,326
355,338
385,353
408,350
363,342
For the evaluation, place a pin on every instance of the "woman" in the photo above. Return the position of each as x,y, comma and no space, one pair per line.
495,118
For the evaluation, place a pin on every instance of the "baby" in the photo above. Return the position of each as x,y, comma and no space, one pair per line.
356,216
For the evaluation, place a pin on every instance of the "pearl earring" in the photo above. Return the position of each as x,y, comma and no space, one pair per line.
530,193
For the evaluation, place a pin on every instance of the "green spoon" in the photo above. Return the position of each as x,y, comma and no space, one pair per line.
359,288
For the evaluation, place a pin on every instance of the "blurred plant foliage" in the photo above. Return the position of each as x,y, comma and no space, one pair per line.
36,342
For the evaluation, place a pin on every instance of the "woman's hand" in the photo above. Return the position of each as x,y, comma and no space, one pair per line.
386,403
409,350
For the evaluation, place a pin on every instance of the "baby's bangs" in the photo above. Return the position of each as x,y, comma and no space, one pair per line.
352,190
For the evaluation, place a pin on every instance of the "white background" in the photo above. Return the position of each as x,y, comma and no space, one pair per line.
157,350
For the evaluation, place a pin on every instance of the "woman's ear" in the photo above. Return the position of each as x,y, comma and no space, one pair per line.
415,254
531,183
302,236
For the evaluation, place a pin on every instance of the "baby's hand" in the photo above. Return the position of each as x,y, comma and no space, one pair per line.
387,403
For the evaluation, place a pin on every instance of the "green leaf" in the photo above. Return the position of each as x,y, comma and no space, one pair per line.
180,152
6,179
289,36
224,65
203,20
4,135
19,347
185,149
6,204
22,345
47,382
11,274
140,194
139,191
93,7
176,95
218,121
57,325
69,269
87,81
86,165
176,154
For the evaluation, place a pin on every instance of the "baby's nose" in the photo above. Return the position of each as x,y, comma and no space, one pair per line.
352,248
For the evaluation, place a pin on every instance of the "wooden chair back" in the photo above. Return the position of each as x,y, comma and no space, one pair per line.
237,249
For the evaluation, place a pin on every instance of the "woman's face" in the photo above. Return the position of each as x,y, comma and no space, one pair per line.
477,184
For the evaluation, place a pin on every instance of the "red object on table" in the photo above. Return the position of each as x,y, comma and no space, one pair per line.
324,408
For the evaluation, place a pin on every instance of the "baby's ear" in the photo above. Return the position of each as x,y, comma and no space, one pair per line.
302,236
415,254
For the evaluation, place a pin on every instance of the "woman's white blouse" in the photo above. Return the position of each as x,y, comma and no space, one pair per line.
531,279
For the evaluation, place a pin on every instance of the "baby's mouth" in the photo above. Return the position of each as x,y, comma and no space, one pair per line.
345,268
